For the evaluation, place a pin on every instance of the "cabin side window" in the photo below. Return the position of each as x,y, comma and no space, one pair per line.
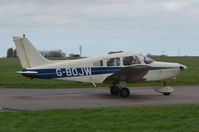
98,63
113,62
137,60
130,60
117,61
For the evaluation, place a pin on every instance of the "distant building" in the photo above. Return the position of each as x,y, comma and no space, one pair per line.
74,55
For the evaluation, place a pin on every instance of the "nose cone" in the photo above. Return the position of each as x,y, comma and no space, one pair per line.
183,67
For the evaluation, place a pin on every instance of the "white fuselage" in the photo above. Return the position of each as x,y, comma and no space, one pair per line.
97,69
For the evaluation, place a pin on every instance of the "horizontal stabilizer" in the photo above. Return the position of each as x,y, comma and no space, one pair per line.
27,72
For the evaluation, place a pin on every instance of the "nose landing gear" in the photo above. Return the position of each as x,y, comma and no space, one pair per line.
165,90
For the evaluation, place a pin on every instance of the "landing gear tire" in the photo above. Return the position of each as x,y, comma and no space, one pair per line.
114,90
166,94
124,92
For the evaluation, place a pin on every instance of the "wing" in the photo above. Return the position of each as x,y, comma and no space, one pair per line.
129,74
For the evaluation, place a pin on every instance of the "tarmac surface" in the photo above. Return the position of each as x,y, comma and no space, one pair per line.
13,99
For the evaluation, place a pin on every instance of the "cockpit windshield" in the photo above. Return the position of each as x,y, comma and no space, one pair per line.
147,59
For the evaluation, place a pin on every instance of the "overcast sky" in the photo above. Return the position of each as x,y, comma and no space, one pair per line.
100,26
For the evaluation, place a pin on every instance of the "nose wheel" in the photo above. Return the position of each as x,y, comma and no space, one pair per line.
166,93
165,90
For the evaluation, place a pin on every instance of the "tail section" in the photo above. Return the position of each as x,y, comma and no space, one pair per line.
28,54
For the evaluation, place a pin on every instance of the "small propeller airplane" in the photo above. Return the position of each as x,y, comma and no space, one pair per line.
115,69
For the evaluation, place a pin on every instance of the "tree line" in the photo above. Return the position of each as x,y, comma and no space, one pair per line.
53,54
11,53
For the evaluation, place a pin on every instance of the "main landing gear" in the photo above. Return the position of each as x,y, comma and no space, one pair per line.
122,90
165,90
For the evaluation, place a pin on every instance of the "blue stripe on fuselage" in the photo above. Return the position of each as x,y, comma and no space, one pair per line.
73,72
77,72
161,68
